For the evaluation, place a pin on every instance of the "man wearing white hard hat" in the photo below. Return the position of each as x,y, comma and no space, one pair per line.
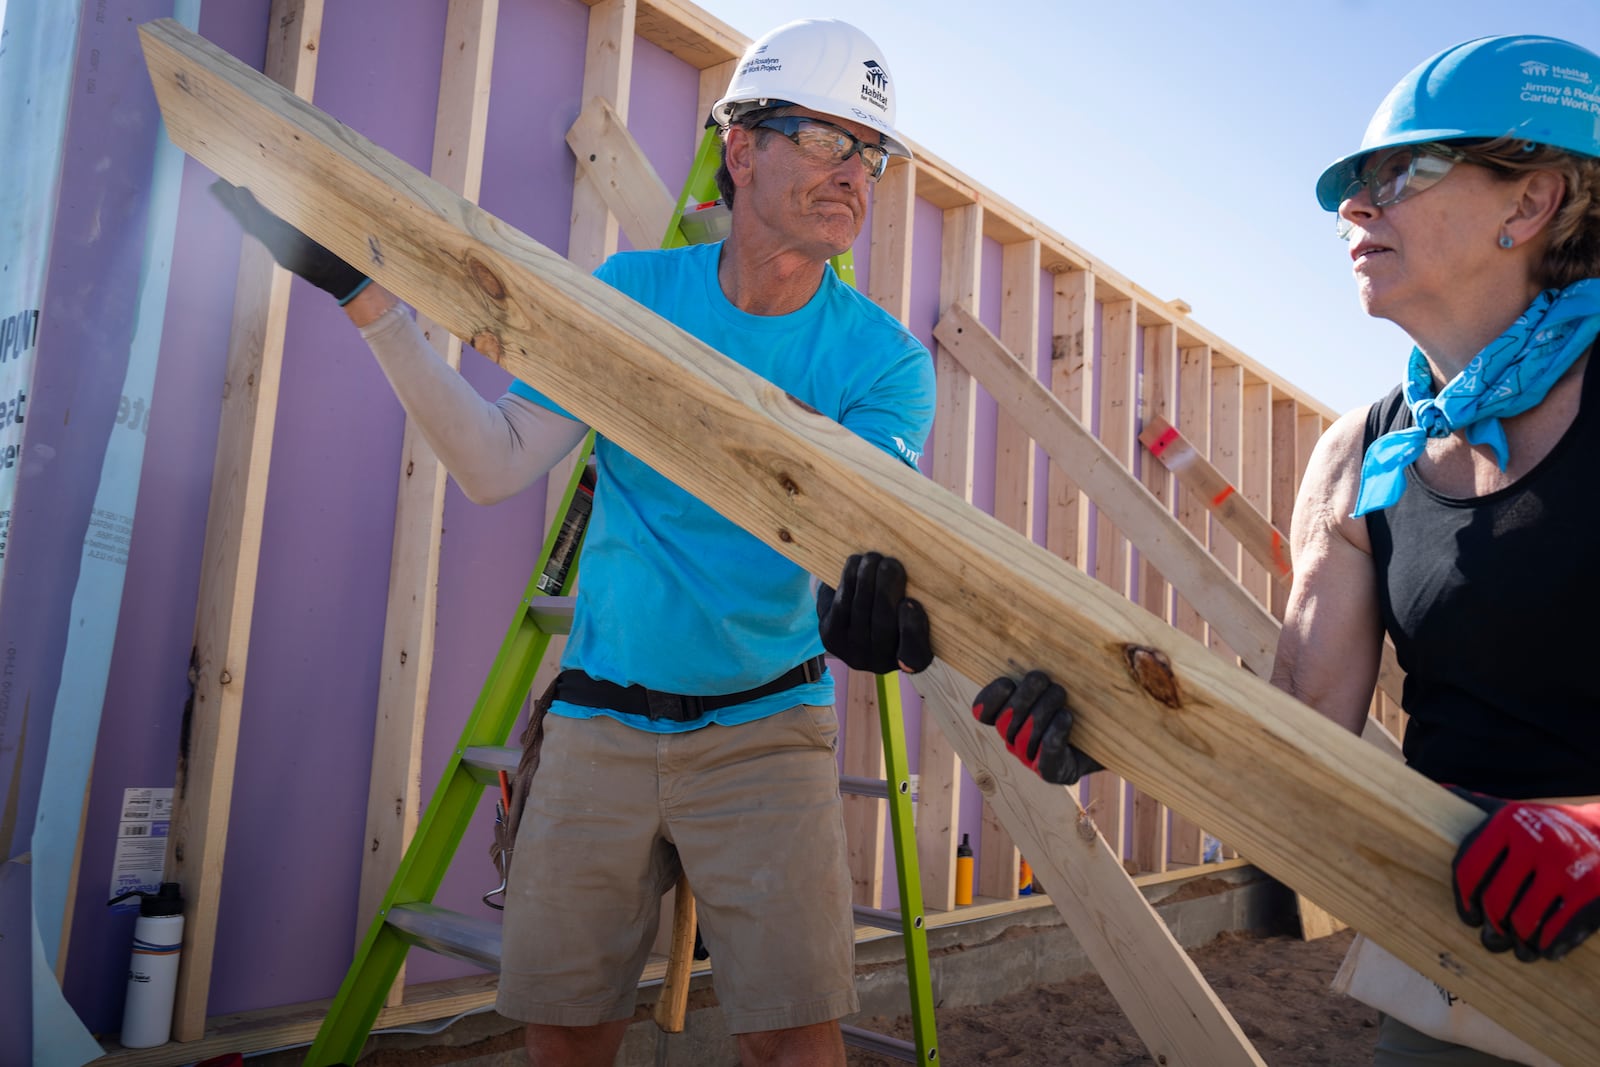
692,727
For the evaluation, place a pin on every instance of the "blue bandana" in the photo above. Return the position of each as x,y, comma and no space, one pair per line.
1512,374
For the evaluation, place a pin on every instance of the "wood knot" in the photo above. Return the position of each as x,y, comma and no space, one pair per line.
1086,827
785,536
486,279
1152,672
801,404
487,343
788,485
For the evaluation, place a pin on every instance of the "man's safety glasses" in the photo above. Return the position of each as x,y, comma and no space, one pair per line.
1391,177
827,142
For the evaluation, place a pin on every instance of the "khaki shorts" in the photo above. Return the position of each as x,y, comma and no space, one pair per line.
752,814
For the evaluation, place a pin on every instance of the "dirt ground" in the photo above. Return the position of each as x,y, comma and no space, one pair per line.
1276,988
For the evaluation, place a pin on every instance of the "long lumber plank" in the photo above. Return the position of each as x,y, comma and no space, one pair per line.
593,229
1241,619
620,173
1171,1007
1258,536
394,793
203,791
1136,513
1246,522
1301,796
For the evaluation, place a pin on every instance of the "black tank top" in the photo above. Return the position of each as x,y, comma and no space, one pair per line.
1491,603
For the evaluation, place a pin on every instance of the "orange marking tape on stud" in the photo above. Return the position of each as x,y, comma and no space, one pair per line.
1217,500
1159,445
1277,553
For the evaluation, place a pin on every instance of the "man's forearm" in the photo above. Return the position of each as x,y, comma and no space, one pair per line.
493,449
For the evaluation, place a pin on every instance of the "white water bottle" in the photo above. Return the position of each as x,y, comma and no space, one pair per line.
153,968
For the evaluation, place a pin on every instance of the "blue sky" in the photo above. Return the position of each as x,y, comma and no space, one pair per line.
1179,140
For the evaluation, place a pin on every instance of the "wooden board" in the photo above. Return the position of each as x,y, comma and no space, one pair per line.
1014,465
593,231
1158,394
1258,536
951,449
1244,521
1118,495
1299,795
202,797
612,164
1170,1005
394,795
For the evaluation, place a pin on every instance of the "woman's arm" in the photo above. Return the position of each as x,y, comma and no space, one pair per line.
1332,631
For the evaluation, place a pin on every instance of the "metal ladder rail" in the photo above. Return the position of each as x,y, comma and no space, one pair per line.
913,924
366,985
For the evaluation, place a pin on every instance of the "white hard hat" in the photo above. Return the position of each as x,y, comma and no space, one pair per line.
825,65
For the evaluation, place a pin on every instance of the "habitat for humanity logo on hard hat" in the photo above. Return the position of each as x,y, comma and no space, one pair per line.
1562,86
875,90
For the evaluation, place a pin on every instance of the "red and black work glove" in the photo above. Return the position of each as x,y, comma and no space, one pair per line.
1036,721
293,250
869,623
1530,876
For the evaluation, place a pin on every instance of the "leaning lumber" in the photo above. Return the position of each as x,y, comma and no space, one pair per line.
1304,798
1249,629
1253,530
1244,623
203,793
1157,985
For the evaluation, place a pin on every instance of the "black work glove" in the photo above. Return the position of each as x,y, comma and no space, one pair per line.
1036,721
294,251
869,623
1529,875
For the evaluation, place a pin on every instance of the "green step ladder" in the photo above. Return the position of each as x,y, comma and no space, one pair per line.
407,916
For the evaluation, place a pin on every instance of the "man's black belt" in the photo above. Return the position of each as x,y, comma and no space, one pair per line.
576,687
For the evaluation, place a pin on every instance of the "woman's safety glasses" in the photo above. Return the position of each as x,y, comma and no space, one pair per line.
1391,177
828,143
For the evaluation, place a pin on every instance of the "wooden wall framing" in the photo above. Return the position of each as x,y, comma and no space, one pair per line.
1370,837
1118,356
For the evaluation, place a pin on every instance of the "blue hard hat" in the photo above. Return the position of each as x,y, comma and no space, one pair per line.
1539,89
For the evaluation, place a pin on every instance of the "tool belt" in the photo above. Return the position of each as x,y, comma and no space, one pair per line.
576,687
503,843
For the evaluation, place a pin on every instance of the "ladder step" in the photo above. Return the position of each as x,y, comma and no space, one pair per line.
877,917
882,1044
551,614
485,762
858,786
449,933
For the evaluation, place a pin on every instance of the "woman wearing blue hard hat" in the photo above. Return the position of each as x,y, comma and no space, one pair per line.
1458,514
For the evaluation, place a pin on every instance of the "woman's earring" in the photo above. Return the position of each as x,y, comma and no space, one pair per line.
1506,241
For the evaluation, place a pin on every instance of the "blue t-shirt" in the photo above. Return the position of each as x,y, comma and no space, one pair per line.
673,596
